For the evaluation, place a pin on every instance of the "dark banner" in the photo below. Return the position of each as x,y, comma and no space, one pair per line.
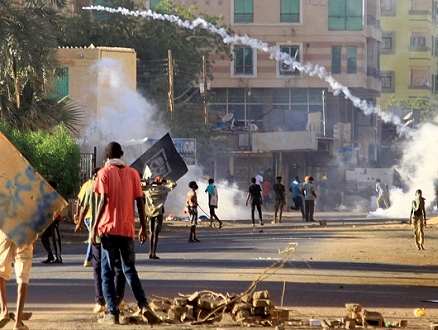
161,159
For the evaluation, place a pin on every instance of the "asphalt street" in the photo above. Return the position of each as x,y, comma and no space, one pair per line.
229,260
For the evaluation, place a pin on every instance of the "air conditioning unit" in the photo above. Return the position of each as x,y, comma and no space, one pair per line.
284,67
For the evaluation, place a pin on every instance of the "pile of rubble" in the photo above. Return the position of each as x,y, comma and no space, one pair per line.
254,309
208,307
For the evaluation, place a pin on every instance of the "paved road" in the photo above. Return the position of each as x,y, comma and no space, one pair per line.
355,259
229,260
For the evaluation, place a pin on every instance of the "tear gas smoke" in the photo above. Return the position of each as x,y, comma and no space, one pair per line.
128,118
125,116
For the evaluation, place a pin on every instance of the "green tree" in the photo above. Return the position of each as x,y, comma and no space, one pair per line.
55,155
28,43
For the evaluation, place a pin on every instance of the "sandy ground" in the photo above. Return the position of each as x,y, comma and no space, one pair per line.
389,243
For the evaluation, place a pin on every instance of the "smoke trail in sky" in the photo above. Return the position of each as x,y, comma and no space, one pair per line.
275,53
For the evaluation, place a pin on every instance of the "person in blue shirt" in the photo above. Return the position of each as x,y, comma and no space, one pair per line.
211,190
297,196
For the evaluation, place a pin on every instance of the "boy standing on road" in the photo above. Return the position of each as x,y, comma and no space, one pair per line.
53,232
418,220
211,190
156,195
297,196
119,187
192,206
382,194
266,194
87,220
280,199
89,203
309,199
255,194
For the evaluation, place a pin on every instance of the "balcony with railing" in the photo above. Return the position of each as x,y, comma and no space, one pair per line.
243,17
290,17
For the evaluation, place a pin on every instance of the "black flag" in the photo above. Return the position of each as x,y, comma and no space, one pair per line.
161,159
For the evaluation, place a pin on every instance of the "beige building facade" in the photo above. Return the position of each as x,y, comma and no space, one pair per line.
286,122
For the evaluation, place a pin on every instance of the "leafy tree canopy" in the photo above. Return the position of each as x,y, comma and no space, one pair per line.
428,106
55,155
28,42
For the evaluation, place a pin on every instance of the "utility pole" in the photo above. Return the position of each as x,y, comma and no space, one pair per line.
204,75
323,114
170,95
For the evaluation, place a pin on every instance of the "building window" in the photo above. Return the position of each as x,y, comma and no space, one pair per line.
336,59
418,42
292,107
243,61
60,83
287,69
245,104
436,46
243,11
419,78
387,79
290,11
435,10
351,59
152,4
386,5
386,82
345,15
387,44
420,5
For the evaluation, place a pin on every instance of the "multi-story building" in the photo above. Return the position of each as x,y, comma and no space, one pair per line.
408,50
409,62
285,121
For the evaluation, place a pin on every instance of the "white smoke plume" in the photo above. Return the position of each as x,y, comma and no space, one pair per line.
275,53
131,120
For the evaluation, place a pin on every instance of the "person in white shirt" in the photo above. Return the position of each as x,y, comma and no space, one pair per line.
382,194
259,179
309,199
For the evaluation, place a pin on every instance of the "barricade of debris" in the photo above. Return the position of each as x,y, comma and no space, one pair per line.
207,307
256,309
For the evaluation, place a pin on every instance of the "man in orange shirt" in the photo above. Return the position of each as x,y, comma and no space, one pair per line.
118,187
